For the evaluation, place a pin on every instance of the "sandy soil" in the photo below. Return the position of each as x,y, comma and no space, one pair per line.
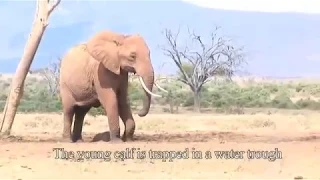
29,153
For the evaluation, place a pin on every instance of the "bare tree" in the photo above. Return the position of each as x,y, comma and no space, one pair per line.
43,10
200,61
51,75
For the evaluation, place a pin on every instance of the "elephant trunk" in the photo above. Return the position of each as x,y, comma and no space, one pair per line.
147,81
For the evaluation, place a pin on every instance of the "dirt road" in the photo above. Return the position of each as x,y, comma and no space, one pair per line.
27,158
29,153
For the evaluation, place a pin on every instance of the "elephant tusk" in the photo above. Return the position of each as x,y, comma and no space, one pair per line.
146,89
159,87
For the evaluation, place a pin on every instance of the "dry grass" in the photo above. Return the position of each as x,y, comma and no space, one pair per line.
261,122
293,132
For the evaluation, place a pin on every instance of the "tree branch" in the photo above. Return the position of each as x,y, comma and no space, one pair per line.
174,53
53,6
216,57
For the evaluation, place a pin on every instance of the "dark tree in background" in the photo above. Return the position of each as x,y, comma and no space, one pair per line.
202,59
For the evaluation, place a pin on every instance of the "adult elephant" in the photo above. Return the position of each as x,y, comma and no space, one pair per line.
96,73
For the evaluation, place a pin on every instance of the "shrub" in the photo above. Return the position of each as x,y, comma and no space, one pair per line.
283,101
226,97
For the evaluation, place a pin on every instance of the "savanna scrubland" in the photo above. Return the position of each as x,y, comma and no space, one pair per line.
246,113
211,123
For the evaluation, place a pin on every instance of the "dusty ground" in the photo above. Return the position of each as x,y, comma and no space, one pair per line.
29,154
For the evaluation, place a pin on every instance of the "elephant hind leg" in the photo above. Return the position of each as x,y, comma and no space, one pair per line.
68,113
80,113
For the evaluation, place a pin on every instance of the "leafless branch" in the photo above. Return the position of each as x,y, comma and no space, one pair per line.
17,86
53,6
205,58
51,75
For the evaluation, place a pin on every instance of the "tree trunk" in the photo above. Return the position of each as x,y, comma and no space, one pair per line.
171,106
170,101
17,86
196,101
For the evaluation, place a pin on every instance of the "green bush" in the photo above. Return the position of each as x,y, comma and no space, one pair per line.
308,104
283,101
97,111
227,97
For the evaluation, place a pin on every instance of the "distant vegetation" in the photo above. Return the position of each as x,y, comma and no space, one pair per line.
220,96
204,81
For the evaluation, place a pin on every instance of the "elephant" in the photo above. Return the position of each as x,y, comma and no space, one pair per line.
95,73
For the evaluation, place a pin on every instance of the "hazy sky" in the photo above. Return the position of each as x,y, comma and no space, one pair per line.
277,44
300,6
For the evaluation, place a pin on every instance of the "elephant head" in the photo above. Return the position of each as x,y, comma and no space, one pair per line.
130,53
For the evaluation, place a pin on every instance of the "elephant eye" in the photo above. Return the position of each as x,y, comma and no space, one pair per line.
133,56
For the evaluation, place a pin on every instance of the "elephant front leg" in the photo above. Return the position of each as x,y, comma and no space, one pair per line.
127,118
109,101
125,110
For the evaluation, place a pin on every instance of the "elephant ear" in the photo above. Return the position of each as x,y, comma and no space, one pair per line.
104,47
